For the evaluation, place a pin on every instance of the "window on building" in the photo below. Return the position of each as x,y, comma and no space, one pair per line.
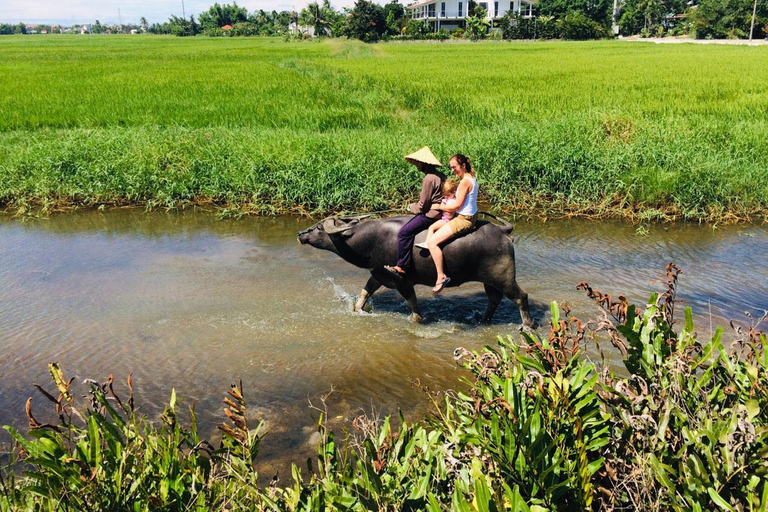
461,9
511,6
431,10
484,5
495,9
442,9
526,9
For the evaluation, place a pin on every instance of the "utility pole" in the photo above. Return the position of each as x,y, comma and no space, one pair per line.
183,12
120,18
752,27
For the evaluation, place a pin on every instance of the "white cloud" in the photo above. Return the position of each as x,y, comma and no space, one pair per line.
106,11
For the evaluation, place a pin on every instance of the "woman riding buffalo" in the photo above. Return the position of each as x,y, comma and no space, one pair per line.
465,219
426,213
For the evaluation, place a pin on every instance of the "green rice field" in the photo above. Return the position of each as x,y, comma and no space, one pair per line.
604,128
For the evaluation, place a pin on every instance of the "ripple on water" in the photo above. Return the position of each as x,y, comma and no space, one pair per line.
188,302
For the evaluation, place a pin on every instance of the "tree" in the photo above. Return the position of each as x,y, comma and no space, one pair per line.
20,29
599,11
395,17
143,23
726,18
182,27
395,9
320,18
366,21
219,15
417,28
477,25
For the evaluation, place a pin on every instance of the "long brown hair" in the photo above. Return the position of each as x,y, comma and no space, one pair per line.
463,160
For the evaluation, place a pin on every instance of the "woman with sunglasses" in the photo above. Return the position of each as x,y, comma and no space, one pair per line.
464,220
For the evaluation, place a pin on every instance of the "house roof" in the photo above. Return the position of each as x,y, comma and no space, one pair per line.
419,4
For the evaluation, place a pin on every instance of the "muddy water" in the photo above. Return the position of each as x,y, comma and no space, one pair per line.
190,302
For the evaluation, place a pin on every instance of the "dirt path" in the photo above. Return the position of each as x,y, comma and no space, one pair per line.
676,40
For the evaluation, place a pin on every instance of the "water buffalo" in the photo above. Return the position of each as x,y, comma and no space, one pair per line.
485,255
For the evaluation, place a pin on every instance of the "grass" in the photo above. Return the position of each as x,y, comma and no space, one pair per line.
597,128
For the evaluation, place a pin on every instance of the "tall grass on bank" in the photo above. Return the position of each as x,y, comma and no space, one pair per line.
541,428
598,128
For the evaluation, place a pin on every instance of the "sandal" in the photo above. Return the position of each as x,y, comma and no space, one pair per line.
441,284
395,271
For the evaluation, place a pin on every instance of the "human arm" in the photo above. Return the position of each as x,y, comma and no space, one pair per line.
461,194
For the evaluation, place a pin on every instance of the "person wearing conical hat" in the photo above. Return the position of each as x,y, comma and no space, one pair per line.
423,209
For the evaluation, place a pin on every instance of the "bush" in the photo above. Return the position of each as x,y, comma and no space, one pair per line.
244,29
577,26
216,32
457,33
417,28
514,26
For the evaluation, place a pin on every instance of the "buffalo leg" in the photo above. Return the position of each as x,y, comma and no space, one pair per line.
369,289
409,294
494,297
517,294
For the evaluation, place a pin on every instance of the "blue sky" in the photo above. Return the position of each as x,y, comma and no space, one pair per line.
68,12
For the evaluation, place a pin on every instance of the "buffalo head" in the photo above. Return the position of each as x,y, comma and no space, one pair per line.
321,235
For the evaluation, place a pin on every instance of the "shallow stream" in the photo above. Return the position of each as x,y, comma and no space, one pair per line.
186,301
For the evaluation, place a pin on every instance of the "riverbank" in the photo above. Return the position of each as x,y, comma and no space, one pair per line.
597,129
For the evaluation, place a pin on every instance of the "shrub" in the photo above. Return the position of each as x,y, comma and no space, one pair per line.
514,26
244,29
216,32
577,26
417,28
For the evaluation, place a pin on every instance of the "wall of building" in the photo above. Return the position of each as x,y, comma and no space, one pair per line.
451,10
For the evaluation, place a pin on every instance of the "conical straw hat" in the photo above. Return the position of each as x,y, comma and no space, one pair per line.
425,156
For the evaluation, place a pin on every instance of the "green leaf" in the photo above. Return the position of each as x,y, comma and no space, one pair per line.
753,408
661,473
719,501
94,442
688,319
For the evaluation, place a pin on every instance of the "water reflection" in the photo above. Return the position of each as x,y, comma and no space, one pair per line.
187,301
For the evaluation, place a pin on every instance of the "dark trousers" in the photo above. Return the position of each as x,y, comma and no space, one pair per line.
406,236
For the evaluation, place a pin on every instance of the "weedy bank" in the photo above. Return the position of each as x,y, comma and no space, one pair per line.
542,427
599,128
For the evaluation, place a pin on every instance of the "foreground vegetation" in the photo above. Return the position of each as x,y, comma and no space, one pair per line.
682,425
600,128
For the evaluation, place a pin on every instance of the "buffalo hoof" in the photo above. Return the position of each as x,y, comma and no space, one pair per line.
416,318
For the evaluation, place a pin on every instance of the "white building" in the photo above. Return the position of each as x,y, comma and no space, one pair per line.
449,14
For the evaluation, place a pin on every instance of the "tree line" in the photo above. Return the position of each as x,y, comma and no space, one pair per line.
550,19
